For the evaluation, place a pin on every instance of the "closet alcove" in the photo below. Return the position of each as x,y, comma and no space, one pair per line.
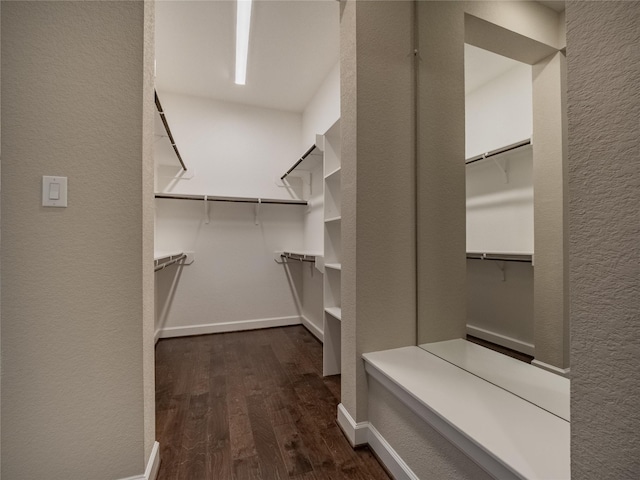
248,230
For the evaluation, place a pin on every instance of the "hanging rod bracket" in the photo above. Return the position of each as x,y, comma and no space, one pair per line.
257,212
502,166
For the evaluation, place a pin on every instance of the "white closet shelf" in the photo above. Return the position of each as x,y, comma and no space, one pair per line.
506,435
214,198
332,219
506,257
333,174
301,256
162,260
333,266
499,151
335,312
307,162
160,255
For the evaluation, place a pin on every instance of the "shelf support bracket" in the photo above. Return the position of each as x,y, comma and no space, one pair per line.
501,267
257,212
502,166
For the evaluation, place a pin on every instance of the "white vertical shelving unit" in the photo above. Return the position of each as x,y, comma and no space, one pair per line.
332,252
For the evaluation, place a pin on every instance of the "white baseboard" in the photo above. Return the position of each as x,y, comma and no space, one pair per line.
356,433
394,464
153,465
315,331
223,327
363,433
505,341
565,372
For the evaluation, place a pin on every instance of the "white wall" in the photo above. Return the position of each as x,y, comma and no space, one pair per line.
323,109
499,112
232,150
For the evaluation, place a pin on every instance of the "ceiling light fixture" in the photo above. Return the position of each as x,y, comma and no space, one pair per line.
243,24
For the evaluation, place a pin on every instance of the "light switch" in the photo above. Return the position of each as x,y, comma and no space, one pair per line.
54,191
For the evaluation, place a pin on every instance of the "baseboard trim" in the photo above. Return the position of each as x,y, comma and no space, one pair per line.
393,462
153,465
315,331
565,372
505,341
363,433
224,327
356,433
156,336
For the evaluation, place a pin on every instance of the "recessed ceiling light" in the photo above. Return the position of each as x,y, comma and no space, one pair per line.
243,25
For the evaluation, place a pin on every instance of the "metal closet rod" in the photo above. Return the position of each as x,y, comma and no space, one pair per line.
503,257
210,198
168,130
304,155
172,260
498,151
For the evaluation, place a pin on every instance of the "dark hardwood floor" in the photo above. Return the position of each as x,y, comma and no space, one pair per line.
252,405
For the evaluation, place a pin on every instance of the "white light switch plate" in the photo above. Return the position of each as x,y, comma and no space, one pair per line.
54,191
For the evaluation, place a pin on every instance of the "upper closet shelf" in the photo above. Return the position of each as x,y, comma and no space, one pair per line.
300,256
309,160
499,151
213,198
168,130
505,257
333,174
163,260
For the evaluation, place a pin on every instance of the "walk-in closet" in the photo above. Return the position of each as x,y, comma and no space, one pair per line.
248,242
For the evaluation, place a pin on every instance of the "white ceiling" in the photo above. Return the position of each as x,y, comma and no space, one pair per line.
292,47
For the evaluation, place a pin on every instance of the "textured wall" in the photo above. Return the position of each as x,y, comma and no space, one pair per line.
148,207
441,173
72,283
422,448
378,221
604,218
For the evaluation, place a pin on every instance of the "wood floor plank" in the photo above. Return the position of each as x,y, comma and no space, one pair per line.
293,450
271,462
252,405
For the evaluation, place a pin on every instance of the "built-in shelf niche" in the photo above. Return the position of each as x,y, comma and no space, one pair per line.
332,252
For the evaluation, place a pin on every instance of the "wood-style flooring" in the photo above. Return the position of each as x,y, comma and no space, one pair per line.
252,405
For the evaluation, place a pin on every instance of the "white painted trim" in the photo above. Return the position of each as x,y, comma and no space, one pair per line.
393,462
156,336
315,330
356,433
223,327
499,339
153,465
524,440
565,372
485,460
363,433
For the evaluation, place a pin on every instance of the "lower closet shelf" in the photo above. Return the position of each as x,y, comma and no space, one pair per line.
335,312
